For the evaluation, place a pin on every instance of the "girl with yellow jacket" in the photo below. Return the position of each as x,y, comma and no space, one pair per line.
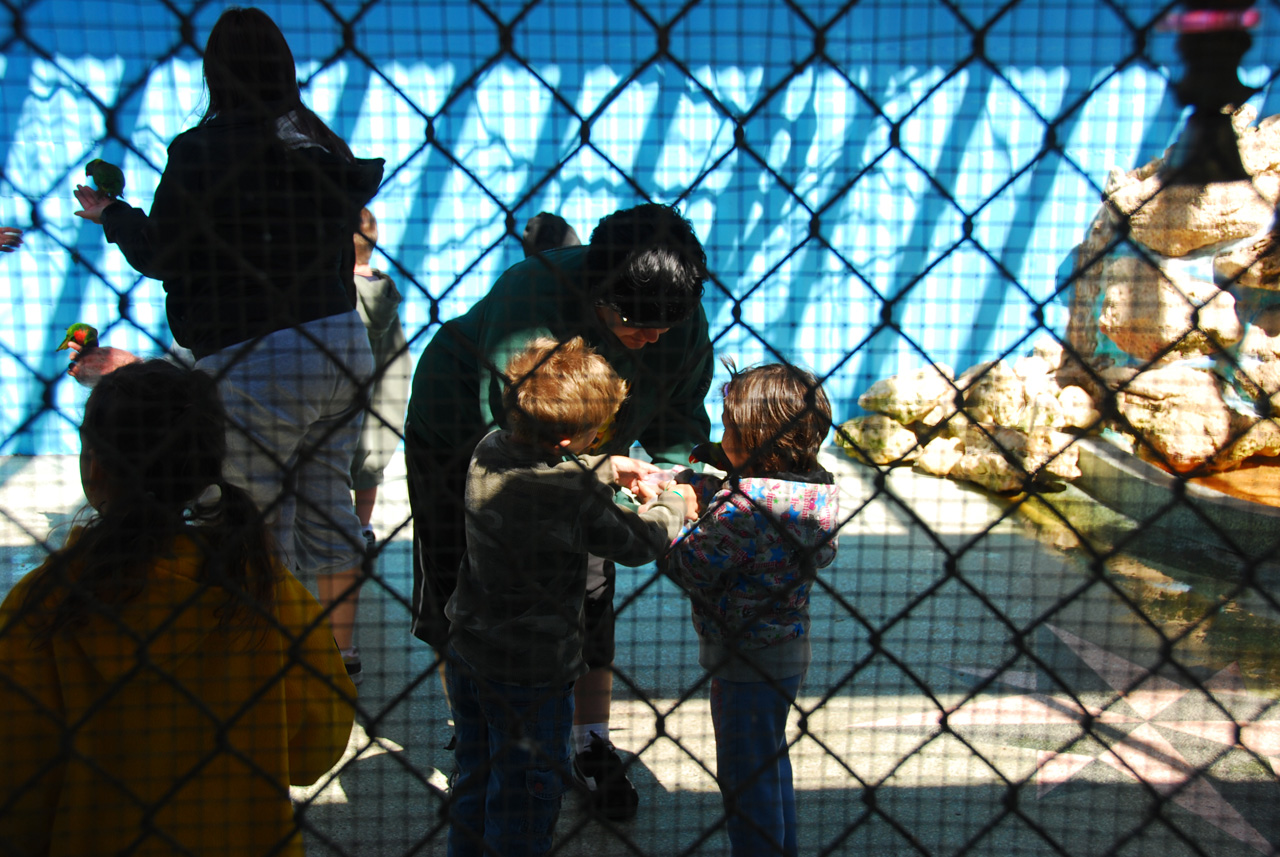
163,679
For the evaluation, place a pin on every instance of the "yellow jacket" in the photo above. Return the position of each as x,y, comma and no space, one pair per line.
157,732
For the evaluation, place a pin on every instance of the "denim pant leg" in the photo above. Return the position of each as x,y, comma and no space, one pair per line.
513,762
471,752
753,765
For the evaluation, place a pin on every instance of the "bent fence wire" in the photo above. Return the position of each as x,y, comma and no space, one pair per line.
1065,647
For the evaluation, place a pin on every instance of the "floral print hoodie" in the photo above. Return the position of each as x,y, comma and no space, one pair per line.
748,564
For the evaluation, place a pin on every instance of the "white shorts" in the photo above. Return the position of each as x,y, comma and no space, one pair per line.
294,401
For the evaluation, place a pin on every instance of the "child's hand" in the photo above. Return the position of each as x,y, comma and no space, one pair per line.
646,492
690,496
629,472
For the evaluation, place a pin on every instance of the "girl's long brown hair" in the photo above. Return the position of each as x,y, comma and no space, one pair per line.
158,431
780,414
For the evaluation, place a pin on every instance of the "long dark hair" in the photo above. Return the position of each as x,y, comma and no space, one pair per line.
157,433
248,66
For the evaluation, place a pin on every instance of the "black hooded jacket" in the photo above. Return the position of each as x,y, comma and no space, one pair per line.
249,231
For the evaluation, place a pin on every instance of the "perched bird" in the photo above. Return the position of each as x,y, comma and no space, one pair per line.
84,335
711,453
108,178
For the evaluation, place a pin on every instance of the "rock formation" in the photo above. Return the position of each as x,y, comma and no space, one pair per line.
1175,317
1173,341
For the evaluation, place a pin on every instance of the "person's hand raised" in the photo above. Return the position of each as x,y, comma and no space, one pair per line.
92,203
10,239
88,365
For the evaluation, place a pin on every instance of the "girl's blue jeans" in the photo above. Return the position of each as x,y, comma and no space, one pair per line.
753,765
513,764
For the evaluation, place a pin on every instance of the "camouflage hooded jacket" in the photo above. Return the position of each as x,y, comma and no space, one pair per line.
748,564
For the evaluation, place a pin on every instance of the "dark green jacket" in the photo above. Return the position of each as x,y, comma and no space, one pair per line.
457,388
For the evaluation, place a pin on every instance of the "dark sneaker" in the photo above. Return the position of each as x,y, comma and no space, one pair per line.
600,769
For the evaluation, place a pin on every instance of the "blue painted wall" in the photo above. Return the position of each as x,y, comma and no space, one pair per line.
905,188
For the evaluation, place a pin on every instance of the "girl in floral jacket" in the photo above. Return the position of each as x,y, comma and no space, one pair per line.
748,564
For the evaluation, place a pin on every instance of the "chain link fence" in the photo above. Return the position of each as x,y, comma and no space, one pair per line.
1050,624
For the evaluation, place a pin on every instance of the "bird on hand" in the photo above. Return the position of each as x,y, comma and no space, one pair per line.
107,178
83,335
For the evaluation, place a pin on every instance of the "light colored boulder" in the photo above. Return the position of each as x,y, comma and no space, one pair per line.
1032,367
1147,310
1255,438
1175,220
1258,356
994,393
1050,351
1254,264
878,440
1052,453
1038,378
940,455
1262,381
991,470
1259,146
1077,407
1178,412
948,421
1043,410
910,395
1262,339
1119,179
1000,440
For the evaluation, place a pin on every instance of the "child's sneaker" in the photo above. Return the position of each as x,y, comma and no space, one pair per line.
600,769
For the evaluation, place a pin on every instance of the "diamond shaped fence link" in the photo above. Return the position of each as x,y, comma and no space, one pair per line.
843,170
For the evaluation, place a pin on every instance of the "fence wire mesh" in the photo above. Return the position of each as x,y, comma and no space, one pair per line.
1051,359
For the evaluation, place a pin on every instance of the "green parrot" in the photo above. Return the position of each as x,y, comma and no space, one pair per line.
108,178
83,335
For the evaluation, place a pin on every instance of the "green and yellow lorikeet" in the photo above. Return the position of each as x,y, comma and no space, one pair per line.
108,178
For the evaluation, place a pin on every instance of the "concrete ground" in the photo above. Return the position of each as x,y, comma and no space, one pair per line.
985,682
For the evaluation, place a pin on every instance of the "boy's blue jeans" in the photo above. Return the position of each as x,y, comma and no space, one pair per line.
513,763
753,766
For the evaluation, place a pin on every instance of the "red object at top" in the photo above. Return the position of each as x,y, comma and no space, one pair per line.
1210,20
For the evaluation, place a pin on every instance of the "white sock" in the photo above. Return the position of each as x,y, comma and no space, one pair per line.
582,735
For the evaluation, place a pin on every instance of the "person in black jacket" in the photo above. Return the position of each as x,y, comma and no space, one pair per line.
250,233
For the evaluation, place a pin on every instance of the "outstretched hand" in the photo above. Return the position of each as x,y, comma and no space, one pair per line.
88,365
92,203
628,472
647,492
10,239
